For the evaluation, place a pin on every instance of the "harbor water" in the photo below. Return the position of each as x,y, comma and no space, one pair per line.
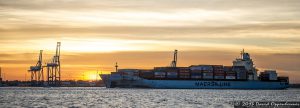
116,97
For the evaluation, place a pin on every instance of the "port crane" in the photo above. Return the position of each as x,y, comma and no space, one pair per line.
53,68
37,75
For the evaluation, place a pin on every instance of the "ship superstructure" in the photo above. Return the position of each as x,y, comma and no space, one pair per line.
247,62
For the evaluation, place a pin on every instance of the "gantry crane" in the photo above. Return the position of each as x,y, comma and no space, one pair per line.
37,75
53,68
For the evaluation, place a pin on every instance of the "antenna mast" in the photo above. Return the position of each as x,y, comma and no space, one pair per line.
116,66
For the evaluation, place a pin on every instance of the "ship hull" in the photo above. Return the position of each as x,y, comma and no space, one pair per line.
194,84
210,84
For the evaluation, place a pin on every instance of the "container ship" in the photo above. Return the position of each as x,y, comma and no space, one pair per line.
241,75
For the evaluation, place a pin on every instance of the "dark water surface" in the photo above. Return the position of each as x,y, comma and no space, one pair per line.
116,97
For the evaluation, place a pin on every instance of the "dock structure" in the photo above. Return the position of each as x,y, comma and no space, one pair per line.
53,70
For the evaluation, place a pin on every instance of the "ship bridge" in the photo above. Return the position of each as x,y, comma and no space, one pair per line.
247,62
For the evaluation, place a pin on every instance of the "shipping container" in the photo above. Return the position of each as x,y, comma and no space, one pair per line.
184,76
146,74
227,69
196,77
207,77
272,74
159,74
210,71
184,69
268,75
219,77
218,68
207,74
202,67
129,72
230,77
219,74
172,74
184,73
230,74
195,73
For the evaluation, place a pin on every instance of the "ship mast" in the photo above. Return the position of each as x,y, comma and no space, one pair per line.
116,66
242,53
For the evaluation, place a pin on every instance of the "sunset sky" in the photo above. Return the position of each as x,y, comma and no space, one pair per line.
143,34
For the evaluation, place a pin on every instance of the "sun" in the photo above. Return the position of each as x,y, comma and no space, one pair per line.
92,77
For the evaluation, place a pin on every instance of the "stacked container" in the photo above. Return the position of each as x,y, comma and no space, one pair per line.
160,72
172,72
184,72
229,73
129,72
207,71
241,72
218,72
268,75
202,71
196,72
146,74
